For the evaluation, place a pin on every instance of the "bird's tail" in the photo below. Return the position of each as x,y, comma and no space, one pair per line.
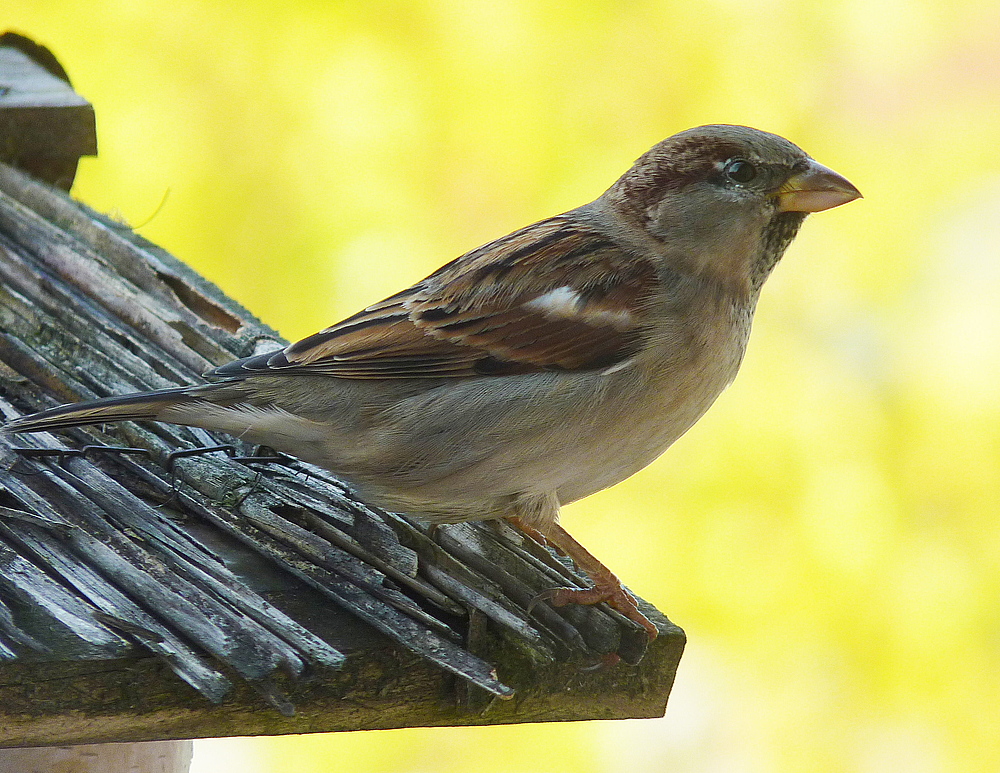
145,405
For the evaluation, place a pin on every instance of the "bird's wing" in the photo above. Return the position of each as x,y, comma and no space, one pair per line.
554,295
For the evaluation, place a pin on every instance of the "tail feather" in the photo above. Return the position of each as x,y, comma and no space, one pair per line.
145,405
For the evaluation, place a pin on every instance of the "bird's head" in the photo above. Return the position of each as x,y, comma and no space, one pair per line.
725,201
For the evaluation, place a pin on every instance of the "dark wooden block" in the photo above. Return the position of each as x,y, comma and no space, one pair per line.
45,126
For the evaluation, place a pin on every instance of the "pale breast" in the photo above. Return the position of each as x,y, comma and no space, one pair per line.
660,398
462,449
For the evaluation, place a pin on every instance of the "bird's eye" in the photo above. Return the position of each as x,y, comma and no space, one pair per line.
741,171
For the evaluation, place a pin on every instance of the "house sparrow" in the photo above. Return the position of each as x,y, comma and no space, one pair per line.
535,370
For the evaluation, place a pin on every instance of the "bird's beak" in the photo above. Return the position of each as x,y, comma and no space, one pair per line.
815,189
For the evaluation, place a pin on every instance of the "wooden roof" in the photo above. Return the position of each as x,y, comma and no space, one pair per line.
149,595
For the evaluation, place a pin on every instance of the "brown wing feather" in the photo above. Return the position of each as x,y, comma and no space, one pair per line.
554,295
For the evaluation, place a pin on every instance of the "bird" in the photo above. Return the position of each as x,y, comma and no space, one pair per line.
537,369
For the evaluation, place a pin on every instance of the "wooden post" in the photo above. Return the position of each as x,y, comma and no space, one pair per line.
150,757
45,126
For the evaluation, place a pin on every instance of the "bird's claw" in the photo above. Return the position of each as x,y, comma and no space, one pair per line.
615,597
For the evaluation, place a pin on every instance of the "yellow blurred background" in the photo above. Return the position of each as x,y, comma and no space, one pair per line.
827,535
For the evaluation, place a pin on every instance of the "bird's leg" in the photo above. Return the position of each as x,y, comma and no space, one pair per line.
607,587
531,531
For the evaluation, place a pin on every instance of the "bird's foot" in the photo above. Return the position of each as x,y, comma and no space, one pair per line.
612,594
